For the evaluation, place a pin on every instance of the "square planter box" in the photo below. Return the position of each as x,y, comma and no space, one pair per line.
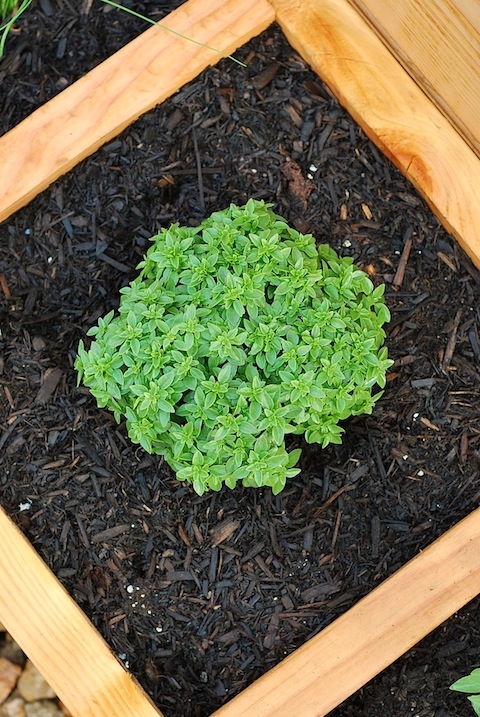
434,142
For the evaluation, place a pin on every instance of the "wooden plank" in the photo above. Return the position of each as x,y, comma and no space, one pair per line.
470,9
438,43
394,112
370,636
100,105
59,639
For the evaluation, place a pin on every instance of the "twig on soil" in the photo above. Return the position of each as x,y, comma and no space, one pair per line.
332,498
404,360
198,161
463,447
400,273
375,535
448,355
4,285
378,460
6,434
336,529
83,532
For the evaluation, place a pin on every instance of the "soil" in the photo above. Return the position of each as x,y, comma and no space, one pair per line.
199,596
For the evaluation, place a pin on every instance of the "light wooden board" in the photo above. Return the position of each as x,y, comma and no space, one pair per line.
438,43
394,112
370,636
109,98
53,631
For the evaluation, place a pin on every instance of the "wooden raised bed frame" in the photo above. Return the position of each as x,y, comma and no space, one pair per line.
426,146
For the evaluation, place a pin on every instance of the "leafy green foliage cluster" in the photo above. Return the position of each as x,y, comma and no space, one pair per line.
470,683
234,334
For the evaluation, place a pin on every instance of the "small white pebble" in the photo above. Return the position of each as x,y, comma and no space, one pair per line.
420,473
313,168
405,457
25,506
130,588
159,628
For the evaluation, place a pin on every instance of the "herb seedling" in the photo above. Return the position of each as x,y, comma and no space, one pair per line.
470,683
236,333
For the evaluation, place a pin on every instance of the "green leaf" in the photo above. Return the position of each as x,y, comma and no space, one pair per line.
475,700
278,485
383,313
470,683
293,457
198,486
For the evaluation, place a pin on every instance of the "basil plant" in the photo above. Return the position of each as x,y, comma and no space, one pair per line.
234,334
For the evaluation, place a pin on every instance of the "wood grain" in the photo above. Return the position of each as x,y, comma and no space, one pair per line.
438,43
101,104
370,636
394,112
470,9
59,639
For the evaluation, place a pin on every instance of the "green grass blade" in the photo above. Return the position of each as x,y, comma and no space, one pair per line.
173,32
5,9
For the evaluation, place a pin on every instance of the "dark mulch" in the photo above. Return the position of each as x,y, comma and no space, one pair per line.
200,596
